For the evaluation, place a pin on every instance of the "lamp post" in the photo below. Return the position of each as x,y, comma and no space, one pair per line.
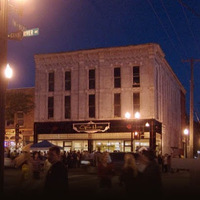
186,133
128,116
3,83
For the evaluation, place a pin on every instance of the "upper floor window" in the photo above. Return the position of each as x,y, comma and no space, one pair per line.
10,122
51,81
92,106
117,105
67,80
92,79
117,77
136,76
20,118
136,102
67,107
50,107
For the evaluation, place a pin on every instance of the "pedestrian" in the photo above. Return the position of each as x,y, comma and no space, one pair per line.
165,163
26,178
56,180
105,172
129,175
36,165
26,171
150,174
97,157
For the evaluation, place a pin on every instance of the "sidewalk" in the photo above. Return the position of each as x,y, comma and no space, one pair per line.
178,184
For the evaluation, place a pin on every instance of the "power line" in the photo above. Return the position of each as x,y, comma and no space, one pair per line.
189,8
192,33
160,21
174,28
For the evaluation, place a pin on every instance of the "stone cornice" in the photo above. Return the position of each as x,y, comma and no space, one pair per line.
94,56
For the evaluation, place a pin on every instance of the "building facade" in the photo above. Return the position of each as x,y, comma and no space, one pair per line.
22,122
81,98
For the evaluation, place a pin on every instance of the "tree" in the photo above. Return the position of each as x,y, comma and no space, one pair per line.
16,102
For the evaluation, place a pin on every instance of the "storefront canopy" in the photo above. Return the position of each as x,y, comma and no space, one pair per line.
44,145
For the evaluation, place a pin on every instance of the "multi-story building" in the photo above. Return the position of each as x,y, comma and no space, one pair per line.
81,98
22,122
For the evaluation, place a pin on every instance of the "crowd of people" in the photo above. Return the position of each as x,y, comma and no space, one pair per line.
139,171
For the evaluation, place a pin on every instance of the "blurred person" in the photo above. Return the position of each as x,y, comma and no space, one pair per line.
36,165
150,174
129,174
56,180
97,157
105,171
26,181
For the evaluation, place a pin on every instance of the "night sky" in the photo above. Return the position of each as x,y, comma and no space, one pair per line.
70,25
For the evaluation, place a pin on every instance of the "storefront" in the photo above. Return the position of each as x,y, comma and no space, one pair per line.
113,135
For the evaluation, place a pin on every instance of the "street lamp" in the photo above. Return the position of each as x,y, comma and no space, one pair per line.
3,82
8,71
128,116
186,133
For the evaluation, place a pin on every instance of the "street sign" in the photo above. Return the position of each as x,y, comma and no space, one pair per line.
16,35
31,32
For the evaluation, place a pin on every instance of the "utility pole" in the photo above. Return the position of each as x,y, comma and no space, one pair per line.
191,129
3,82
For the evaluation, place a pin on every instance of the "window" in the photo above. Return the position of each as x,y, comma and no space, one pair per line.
68,80
20,118
92,106
136,102
92,79
117,78
10,122
117,105
67,107
50,107
136,76
51,81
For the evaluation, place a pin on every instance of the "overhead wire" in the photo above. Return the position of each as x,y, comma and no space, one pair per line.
160,21
189,8
191,31
183,48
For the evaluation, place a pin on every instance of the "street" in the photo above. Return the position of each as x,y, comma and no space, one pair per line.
84,183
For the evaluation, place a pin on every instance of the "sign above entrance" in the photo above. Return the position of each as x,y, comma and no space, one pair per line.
91,127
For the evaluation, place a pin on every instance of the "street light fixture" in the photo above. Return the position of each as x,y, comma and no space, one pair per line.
186,133
8,71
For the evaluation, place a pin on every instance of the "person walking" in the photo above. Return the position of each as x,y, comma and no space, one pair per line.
129,175
56,180
36,165
105,171
150,174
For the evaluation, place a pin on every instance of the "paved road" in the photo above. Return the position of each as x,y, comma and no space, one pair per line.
84,183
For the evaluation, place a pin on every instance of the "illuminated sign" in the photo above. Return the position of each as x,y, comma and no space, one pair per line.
91,127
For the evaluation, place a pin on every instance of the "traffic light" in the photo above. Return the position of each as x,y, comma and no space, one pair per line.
17,132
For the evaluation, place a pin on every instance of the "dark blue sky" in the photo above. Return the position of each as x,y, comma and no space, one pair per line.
67,25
